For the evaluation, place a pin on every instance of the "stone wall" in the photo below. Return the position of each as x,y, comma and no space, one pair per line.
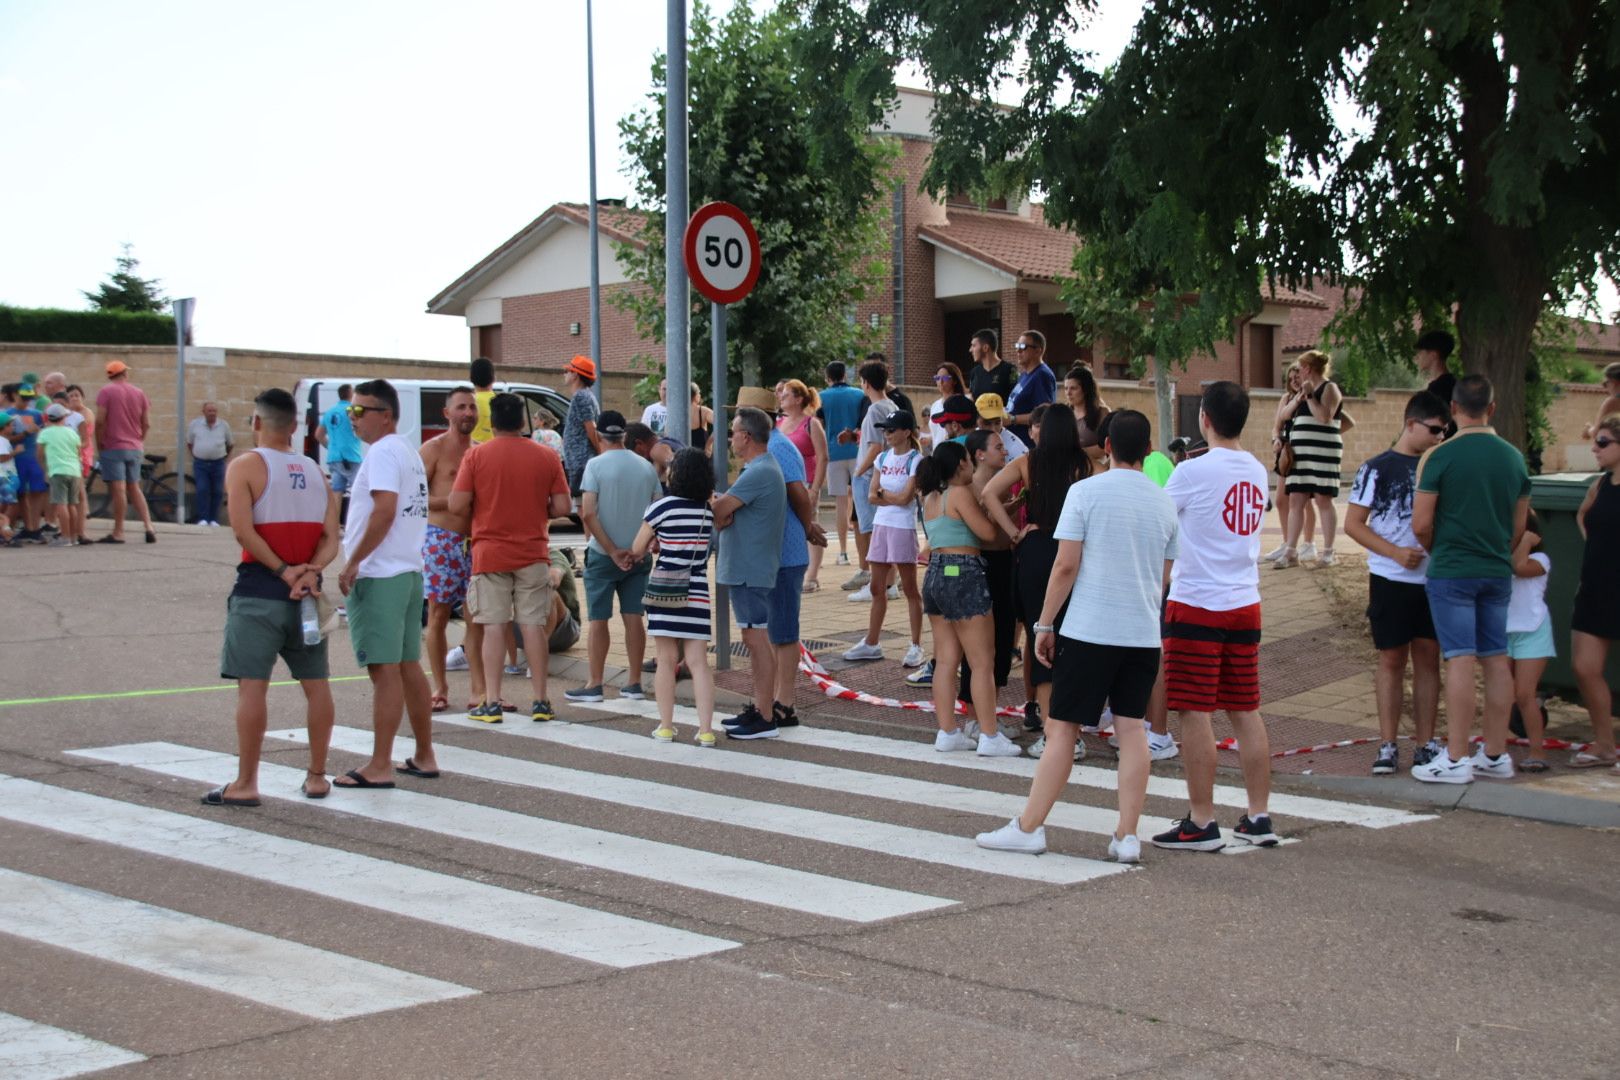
246,372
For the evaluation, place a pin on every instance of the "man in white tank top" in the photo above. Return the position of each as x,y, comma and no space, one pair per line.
286,520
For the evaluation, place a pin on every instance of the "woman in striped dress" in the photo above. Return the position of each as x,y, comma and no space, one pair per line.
1318,448
677,592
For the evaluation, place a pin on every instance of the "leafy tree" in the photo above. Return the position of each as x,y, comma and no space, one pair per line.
124,290
803,168
1457,156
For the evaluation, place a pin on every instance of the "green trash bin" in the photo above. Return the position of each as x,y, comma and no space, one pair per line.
1555,499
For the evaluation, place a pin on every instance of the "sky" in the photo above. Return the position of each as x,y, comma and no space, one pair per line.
311,172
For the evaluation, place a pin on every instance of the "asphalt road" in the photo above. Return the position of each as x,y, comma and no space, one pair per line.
576,900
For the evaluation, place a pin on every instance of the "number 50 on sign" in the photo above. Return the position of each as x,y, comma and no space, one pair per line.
722,252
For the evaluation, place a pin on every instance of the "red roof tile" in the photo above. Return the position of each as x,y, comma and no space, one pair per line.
1025,247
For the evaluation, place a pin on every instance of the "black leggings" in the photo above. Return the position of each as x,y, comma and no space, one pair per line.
998,572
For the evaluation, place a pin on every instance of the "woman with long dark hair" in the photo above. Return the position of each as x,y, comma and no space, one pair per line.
1057,463
956,598
948,380
1088,407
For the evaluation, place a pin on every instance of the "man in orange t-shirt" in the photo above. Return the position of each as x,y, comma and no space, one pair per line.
511,488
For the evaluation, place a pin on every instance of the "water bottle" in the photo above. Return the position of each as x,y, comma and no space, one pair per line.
311,620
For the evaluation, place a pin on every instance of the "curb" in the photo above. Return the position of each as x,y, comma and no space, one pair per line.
1482,796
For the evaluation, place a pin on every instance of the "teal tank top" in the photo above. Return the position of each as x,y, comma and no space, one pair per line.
947,532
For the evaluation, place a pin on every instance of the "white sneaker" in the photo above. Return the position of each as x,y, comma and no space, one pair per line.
856,580
1162,747
862,651
952,740
862,595
998,745
456,659
1493,768
1442,770
1326,558
894,592
1274,554
1128,850
1010,729
1011,838
1038,747
843,559
1307,552
914,657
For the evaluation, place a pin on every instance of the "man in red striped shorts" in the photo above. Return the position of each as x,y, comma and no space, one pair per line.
1212,621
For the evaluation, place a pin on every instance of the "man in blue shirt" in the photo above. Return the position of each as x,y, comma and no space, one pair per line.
1036,384
840,413
343,450
754,509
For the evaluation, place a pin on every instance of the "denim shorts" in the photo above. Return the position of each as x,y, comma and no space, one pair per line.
861,488
342,475
121,466
751,606
955,587
784,615
1470,615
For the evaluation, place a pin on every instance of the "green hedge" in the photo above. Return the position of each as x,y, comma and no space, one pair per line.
42,325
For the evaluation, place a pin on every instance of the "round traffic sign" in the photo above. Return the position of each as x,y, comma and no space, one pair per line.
722,252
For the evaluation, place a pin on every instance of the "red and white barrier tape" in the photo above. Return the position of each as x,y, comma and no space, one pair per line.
819,675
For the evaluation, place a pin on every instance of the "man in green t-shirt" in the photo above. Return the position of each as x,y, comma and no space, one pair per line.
1473,496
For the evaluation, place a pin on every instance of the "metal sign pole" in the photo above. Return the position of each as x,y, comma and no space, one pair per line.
596,274
677,300
182,330
722,472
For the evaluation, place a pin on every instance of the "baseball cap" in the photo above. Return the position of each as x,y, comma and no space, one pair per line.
26,390
960,408
899,420
583,366
990,407
116,367
610,422
56,411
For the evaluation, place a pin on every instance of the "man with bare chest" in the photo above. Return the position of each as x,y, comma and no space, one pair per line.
444,550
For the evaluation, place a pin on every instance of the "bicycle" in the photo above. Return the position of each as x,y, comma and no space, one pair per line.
162,491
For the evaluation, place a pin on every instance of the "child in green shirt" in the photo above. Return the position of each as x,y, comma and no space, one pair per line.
59,454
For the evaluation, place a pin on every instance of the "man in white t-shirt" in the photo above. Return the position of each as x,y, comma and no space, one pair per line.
382,578
1212,621
1379,518
656,415
1117,538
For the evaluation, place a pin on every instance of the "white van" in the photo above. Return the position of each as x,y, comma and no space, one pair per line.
421,406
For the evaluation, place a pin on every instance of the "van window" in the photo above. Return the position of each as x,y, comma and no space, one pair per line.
554,407
433,423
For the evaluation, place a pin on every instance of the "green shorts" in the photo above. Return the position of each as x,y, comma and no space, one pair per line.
385,619
259,630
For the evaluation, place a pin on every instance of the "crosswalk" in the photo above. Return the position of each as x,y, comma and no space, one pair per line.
684,853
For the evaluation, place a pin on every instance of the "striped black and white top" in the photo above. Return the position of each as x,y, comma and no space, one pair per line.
1318,450
684,528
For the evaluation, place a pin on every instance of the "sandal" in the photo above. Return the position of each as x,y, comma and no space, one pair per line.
1584,760
810,587
1533,765
440,703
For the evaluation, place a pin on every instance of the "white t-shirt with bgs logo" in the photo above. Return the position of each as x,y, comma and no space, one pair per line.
1220,503
391,464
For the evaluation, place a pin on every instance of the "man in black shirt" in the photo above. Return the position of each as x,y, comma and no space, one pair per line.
989,373
1432,350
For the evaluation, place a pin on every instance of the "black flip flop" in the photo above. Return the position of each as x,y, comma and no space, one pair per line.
217,797
308,794
360,781
109,539
151,538
410,769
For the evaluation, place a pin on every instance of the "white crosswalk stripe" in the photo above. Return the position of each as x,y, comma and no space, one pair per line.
30,1051
725,875
1081,817
281,974
898,840
1300,806
533,921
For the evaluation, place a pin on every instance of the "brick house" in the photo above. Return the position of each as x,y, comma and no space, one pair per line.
954,267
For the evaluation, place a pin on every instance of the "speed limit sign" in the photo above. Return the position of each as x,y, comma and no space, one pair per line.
722,252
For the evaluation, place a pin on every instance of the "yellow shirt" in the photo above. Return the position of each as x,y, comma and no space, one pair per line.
481,431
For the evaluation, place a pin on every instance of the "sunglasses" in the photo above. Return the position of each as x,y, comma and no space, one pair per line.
1024,345
357,411
1437,430
943,378
1603,444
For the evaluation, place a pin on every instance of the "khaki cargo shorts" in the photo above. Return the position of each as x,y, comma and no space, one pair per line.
524,595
